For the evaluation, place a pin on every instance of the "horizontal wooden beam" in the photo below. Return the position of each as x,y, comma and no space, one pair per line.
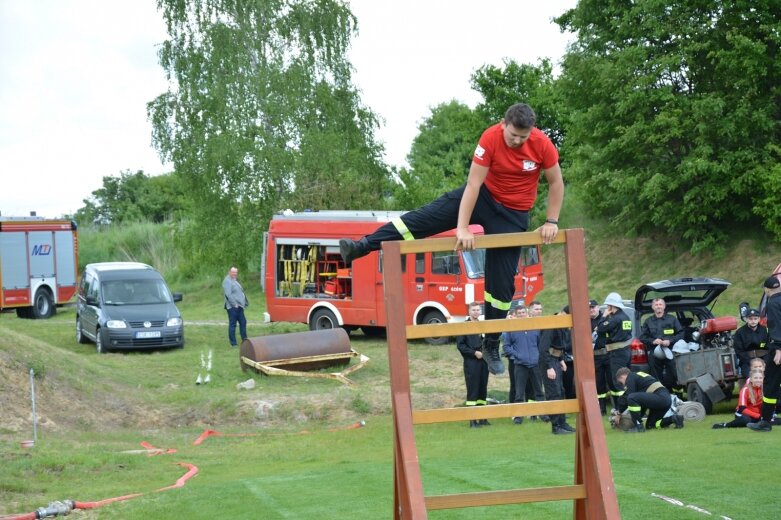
530,238
559,321
468,413
510,496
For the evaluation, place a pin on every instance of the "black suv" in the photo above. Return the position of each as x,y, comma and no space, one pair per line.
709,372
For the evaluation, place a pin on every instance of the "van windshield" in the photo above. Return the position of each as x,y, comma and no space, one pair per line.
135,292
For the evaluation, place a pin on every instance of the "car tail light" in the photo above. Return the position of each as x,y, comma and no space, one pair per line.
727,366
639,357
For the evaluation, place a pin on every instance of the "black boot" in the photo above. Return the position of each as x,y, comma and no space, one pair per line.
474,424
352,249
491,355
484,422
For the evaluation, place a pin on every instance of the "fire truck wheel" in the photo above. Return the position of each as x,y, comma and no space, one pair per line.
43,304
430,318
323,319
696,394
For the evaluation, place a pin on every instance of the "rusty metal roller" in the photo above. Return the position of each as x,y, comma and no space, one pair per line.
312,350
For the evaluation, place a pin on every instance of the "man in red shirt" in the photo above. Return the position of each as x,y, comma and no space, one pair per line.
499,192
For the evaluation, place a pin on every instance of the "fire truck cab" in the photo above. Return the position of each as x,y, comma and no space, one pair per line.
38,264
306,281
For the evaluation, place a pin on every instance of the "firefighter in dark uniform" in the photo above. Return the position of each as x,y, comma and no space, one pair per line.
475,367
659,333
643,392
750,341
554,344
614,332
771,389
601,361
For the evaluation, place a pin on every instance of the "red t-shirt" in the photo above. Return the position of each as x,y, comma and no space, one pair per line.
513,173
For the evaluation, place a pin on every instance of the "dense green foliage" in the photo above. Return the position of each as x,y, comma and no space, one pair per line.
261,115
674,113
133,197
441,154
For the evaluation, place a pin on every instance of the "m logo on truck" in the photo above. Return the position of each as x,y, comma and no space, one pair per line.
42,250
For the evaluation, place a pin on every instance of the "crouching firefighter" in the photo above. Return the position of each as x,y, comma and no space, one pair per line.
641,393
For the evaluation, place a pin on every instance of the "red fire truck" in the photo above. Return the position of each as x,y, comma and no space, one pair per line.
38,264
306,281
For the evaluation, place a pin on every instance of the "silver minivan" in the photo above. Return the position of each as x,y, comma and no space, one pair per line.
127,305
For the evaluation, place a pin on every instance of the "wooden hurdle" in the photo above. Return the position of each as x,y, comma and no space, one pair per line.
593,490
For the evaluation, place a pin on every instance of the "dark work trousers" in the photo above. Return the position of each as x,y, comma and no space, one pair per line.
656,403
442,215
530,391
771,388
476,377
664,370
618,358
602,372
554,390
569,381
511,375
236,315
523,374
740,421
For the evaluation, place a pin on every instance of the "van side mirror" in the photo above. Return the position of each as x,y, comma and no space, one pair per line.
177,296
91,300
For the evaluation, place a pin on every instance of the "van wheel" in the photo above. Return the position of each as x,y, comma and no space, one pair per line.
696,394
80,337
323,319
99,347
430,318
43,304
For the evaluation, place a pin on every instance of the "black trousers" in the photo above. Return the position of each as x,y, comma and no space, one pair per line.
442,215
522,374
554,390
617,358
771,388
602,373
656,403
476,378
569,381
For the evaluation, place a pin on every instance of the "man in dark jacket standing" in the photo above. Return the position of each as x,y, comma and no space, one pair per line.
475,367
659,333
750,341
554,344
643,392
523,350
771,388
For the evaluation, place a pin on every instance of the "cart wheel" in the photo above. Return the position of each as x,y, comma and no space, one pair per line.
696,394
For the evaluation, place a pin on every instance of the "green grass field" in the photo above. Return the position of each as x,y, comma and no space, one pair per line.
292,455
299,461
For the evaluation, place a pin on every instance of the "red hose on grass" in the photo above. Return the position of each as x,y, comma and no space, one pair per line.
192,470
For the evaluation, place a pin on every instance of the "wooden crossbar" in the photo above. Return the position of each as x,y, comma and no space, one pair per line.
593,490
467,413
510,496
559,321
481,241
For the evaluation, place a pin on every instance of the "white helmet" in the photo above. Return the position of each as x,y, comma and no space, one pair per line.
661,352
614,299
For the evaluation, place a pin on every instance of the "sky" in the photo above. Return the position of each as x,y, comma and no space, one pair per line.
76,75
